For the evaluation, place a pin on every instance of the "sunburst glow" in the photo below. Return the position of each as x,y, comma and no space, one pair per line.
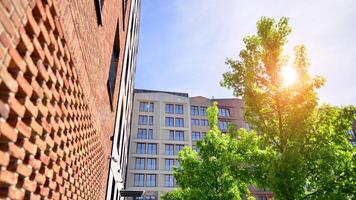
289,75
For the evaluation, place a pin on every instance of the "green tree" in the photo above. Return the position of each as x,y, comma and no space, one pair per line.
309,155
220,170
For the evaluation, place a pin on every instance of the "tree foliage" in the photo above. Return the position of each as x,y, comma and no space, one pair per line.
220,169
298,149
312,157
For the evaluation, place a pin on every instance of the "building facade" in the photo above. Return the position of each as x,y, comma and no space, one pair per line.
66,83
160,128
162,124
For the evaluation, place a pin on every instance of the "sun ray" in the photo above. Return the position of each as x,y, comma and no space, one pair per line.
289,75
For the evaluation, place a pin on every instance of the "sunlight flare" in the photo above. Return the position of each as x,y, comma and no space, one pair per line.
289,75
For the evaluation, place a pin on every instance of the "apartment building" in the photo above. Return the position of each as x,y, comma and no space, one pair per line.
66,85
162,124
160,128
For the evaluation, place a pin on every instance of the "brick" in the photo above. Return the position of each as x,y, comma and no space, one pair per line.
34,125
38,92
42,108
7,5
43,74
34,163
15,151
18,7
49,173
4,110
39,11
23,129
6,78
6,22
17,62
15,106
7,131
29,146
57,153
40,178
32,27
23,170
24,85
2,53
38,51
8,177
5,40
46,127
32,69
25,45
4,158
50,20
41,145
44,33
29,185
16,20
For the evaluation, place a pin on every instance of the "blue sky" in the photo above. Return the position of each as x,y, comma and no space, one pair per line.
184,43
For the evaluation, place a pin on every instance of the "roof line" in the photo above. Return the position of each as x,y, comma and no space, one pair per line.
158,91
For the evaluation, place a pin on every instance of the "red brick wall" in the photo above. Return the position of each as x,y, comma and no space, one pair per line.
56,120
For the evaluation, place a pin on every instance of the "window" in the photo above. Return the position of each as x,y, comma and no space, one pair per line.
114,62
168,180
202,110
178,148
224,112
351,133
177,163
353,143
169,149
146,107
194,147
150,134
171,135
151,180
141,148
203,135
179,136
140,163
145,134
151,148
223,125
194,110
150,120
261,198
169,108
142,120
142,133
179,122
195,136
168,164
179,109
151,163
99,8
169,121
204,122
139,180
195,122
147,197
152,107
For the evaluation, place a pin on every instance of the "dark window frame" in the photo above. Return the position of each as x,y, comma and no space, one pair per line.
114,62
99,10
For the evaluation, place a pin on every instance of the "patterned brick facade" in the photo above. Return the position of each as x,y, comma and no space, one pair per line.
56,120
